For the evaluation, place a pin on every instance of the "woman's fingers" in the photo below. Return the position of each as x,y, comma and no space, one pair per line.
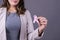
42,20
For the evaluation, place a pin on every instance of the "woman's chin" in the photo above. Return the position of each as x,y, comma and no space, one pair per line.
14,4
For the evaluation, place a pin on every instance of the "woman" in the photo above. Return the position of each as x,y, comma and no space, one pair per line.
16,22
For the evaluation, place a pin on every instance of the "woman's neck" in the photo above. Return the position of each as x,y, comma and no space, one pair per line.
12,9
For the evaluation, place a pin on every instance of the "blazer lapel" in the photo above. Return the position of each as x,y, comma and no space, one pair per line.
23,27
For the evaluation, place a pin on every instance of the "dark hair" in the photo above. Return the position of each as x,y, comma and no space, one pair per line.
19,7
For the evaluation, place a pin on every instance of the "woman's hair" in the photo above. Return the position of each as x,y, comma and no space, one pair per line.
20,8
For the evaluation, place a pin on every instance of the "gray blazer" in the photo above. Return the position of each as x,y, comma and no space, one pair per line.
27,29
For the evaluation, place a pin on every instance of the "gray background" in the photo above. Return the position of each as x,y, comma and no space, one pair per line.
49,9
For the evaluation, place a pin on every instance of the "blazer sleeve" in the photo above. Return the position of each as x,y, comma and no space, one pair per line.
32,34
2,24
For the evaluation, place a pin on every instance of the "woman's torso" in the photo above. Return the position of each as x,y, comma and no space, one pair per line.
13,25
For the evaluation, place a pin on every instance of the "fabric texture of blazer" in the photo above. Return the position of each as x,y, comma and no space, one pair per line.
27,29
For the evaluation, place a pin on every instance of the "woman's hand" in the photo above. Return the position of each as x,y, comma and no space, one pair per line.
42,23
